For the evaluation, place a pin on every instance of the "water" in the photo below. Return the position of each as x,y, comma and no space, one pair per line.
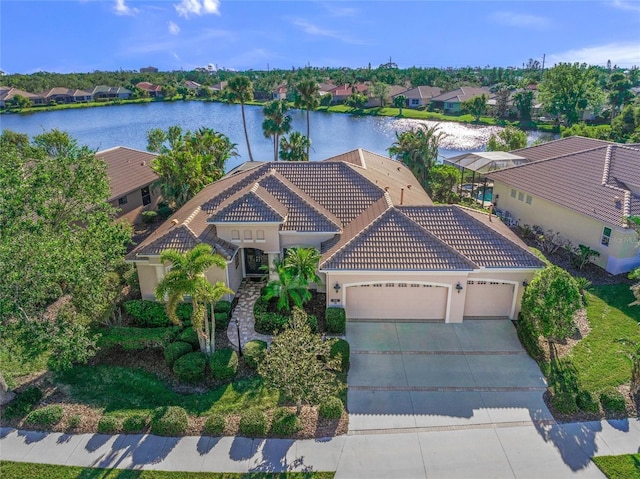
331,133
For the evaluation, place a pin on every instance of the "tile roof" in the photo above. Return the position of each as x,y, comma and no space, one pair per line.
462,94
422,92
601,182
563,146
254,206
128,169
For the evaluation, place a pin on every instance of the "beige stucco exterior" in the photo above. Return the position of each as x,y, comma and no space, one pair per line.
620,255
133,207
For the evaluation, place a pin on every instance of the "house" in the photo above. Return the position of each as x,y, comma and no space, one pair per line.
66,95
342,92
451,102
394,90
8,93
420,96
582,189
102,92
131,180
192,85
387,251
155,91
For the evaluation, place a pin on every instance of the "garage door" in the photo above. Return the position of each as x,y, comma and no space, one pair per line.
396,301
488,299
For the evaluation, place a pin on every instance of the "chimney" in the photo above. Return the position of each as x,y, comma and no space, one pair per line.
401,196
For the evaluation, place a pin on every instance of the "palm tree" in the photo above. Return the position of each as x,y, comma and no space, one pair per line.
303,264
288,288
307,97
187,278
240,89
418,150
294,148
399,102
276,122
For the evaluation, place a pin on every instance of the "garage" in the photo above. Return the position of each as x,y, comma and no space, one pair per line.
488,299
396,301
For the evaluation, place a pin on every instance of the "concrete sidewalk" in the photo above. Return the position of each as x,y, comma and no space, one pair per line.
470,451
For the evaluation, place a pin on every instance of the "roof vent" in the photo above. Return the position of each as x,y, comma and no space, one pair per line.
398,168
174,221
386,188
408,187
144,163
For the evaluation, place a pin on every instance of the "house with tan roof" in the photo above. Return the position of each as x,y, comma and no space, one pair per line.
8,93
155,91
580,188
131,180
420,96
67,95
451,101
386,251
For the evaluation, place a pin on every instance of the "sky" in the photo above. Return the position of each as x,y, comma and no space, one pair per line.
87,35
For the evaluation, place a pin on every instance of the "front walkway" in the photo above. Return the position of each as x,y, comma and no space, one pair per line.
249,292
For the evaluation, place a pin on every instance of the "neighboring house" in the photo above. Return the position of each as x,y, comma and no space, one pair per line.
7,93
393,91
387,251
451,102
420,96
280,92
148,70
102,92
66,95
192,85
342,92
155,91
581,188
131,179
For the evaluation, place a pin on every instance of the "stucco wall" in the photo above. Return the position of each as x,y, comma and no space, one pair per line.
134,201
249,234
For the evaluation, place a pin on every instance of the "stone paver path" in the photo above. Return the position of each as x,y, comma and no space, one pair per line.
249,292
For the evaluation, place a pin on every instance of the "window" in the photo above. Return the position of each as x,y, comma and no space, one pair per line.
122,201
520,195
513,193
529,199
248,236
235,235
146,196
415,101
606,236
260,235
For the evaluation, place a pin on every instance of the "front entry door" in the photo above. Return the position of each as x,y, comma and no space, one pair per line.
253,261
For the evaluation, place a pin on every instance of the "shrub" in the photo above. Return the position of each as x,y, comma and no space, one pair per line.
313,323
253,423
169,421
190,367
45,417
176,350
149,217
564,403
184,311
222,306
341,350
215,424
164,212
285,422
190,336
331,408
108,425
612,400
74,421
586,402
146,314
224,364
131,279
336,319
253,352
222,321
135,423
528,336
270,323
24,403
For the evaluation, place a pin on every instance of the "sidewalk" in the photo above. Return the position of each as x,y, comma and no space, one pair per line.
474,451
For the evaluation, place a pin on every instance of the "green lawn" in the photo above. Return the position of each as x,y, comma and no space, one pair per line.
15,364
626,466
600,359
19,470
125,391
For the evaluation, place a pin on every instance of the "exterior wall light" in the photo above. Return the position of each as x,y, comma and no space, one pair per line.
525,283
458,287
337,287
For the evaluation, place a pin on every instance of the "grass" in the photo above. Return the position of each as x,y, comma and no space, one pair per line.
626,466
124,392
600,359
74,106
133,339
15,364
25,470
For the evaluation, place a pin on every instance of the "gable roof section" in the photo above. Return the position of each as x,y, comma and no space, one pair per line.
128,169
474,239
394,242
254,206
560,147
422,92
462,94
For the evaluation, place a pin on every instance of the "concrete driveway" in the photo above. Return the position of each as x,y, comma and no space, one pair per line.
420,376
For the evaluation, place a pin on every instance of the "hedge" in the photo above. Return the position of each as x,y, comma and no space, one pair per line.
253,352
108,425
331,408
190,336
190,367
222,320
612,400
135,423
45,417
222,306
285,422
336,320
169,421
151,314
215,424
176,350
224,364
340,349
253,423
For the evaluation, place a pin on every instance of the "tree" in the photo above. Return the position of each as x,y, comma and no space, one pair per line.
380,91
187,161
356,100
626,126
187,278
19,102
297,364
294,148
240,89
276,122
523,101
550,302
443,178
307,97
508,139
619,92
567,89
399,102
476,106
502,103
417,149
302,263
601,132
169,91
289,288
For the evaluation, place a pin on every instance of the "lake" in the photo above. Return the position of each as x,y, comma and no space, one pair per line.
331,133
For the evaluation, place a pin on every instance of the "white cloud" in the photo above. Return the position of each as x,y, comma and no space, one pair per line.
187,8
626,5
337,11
175,56
621,54
121,9
312,29
521,20
173,28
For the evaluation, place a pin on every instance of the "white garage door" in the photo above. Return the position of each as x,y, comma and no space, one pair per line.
397,301
488,299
